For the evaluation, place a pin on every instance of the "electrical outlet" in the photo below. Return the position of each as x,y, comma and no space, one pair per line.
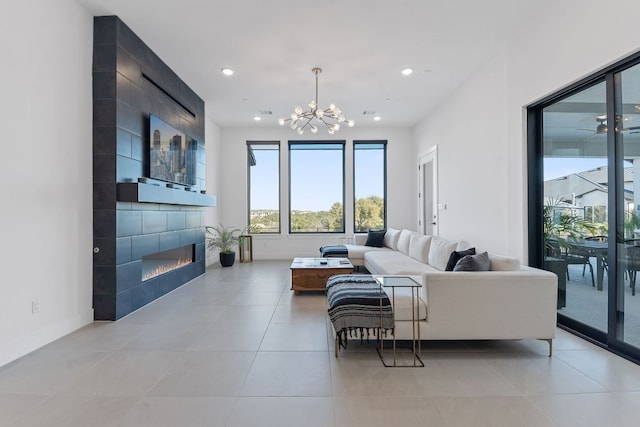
35,307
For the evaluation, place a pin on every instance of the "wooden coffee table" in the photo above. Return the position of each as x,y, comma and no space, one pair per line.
311,274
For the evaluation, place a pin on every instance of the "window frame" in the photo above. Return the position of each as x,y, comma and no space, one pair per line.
383,143
342,144
264,143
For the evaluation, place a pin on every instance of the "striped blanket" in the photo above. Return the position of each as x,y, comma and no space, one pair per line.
355,306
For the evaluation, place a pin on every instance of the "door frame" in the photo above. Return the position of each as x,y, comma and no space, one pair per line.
431,156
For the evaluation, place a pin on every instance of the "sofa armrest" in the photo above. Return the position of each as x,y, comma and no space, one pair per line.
359,239
491,304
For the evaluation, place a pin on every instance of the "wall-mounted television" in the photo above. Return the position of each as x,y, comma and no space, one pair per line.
172,153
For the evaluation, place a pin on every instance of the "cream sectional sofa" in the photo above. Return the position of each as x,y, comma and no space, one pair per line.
511,301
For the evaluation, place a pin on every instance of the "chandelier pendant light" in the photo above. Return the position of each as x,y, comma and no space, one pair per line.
331,117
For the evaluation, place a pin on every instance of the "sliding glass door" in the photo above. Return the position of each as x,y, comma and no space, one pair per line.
584,203
627,84
576,202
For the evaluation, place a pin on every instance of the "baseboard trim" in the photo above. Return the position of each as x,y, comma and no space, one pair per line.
14,350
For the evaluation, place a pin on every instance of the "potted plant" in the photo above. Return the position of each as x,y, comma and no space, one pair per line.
224,239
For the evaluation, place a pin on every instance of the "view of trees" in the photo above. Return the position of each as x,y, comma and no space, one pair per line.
265,221
369,214
318,222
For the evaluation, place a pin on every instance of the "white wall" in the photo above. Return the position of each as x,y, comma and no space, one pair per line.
480,129
46,224
471,136
232,198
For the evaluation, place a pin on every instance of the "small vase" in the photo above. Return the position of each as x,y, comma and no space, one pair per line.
227,259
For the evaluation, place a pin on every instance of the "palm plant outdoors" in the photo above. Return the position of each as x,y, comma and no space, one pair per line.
561,225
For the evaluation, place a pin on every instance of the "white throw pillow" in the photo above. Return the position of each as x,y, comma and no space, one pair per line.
504,263
419,247
440,251
403,241
391,238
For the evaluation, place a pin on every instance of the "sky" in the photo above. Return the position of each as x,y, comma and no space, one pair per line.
317,178
557,167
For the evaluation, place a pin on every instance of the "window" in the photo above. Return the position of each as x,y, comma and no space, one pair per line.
597,214
369,185
264,186
316,187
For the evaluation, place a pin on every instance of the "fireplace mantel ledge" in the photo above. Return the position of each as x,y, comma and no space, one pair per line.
149,193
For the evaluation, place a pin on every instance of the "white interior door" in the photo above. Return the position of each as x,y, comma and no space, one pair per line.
428,192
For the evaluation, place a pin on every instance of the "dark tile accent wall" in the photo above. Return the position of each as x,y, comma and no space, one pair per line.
130,82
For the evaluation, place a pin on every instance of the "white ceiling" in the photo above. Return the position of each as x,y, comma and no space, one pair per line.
361,45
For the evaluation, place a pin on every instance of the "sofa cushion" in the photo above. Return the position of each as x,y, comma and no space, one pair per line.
404,241
440,251
391,238
394,263
457,256
479,262
375,238
356,252
504,263
419,247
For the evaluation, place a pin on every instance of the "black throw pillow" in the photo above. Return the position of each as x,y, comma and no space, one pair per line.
375,238
457,256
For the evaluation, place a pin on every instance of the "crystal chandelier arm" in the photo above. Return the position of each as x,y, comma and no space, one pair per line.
301,119
305,124
328,125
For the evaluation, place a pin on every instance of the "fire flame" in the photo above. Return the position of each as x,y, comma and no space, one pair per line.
181,262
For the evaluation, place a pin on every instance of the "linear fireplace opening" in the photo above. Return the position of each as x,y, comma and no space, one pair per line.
163,262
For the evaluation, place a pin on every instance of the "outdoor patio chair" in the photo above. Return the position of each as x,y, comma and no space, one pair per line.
605,263
632,265
572,256
577,256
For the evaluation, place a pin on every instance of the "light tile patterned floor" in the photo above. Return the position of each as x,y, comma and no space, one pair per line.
235,347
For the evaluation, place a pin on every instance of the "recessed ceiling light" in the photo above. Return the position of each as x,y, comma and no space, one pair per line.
257,118
407,71
227,71
377,118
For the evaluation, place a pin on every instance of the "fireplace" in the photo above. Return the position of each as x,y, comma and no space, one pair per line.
163,262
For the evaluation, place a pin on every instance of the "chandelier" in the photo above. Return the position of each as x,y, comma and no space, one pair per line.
332,117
